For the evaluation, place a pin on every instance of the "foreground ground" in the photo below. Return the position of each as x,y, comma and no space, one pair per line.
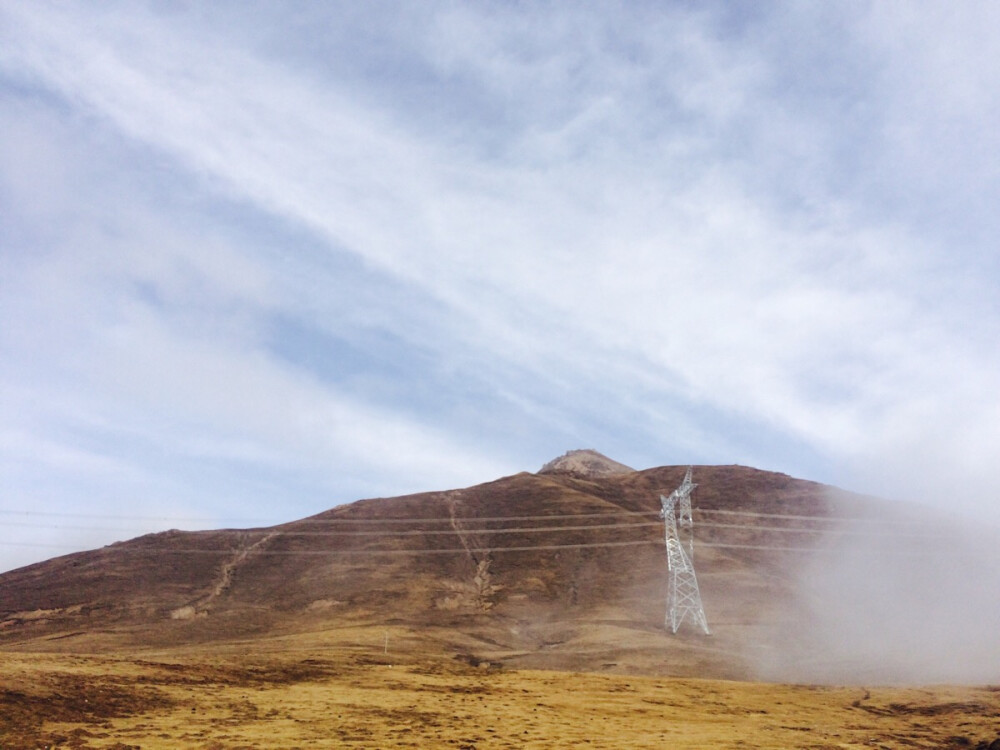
299,694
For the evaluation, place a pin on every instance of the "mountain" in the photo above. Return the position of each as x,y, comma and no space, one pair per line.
564,569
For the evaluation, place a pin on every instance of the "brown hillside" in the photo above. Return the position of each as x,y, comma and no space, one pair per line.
555,570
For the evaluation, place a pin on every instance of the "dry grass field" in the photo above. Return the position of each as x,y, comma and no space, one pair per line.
350,692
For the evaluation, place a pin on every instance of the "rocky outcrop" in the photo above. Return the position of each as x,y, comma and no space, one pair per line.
585,463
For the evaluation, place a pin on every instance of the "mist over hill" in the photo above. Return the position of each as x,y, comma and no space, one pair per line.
561,569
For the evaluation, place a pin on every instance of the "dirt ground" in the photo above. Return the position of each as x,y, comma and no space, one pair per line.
296,693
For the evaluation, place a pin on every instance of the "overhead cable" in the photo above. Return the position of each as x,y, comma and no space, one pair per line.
136,549
516,530
484,519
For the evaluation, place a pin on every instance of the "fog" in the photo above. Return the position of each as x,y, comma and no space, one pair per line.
894,599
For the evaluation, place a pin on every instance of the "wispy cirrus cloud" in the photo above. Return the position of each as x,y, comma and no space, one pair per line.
365,248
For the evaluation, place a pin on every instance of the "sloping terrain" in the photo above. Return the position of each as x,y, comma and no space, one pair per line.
558,569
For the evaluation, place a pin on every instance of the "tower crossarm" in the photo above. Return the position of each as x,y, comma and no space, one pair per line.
676,558
684,517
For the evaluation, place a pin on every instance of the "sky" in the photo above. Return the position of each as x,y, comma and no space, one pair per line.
261,259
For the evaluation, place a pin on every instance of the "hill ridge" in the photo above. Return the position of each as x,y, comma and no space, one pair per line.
578,582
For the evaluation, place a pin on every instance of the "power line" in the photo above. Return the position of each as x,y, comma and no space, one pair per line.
828,519
354,552
830,524
828,530
449,550
515,530
412,532
114,516
373,521
489,519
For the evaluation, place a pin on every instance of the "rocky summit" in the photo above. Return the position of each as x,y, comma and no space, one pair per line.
585,463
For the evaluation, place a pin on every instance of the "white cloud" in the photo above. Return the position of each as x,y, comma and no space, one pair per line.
559,220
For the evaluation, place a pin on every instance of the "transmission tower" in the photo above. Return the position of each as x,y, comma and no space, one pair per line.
683,596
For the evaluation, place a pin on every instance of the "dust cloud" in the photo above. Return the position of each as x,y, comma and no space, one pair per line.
894,599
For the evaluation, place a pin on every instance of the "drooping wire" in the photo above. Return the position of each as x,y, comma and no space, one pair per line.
518,530
484,519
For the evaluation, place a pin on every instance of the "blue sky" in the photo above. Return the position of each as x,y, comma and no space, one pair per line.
257,260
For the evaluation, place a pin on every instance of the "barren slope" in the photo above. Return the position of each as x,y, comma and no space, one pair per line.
550,570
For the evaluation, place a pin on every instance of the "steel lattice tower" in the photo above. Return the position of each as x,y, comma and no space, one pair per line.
683,596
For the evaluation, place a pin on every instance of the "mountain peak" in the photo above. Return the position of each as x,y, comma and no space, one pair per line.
585,463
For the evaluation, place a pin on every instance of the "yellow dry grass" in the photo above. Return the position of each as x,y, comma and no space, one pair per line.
303,693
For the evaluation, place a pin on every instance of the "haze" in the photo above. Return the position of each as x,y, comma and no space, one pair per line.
901,597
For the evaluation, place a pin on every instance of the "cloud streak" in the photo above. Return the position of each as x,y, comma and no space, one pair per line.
361,251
